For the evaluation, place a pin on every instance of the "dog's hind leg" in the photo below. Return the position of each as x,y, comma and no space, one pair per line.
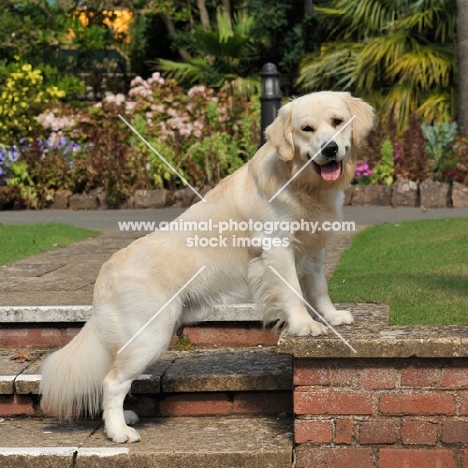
128,364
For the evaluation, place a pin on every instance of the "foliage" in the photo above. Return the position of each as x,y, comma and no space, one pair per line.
418,268
438,138
257,32
23,95
205,135
455,166
223,55
34,30
403,51
69,36
383,171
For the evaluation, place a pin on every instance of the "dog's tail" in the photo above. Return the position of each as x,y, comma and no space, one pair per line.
72,377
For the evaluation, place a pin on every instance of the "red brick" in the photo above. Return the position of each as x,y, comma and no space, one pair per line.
195,404
417,403
228,335
262,403
37,337
377,432
318,432
308,456
455,432
455,377
344,431
464,403
419,433
416,458
13,405
415,376
332,402
310,373
377,378
344,377
465,458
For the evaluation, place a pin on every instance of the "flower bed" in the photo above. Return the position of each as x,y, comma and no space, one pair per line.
86,157
203,133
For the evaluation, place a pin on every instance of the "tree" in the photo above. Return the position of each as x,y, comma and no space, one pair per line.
278,32
224,56
462,48
399,55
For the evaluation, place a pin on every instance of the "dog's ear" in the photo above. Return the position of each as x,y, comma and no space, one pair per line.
279,133
364,120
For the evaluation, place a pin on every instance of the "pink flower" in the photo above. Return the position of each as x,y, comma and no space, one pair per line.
137,80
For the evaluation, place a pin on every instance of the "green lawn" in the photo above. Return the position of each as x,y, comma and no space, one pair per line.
418,268
17,242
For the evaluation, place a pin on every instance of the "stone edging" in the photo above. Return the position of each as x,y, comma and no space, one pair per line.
65,314
428,194
371,336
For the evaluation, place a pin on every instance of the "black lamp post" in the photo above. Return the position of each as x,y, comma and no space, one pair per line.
270,97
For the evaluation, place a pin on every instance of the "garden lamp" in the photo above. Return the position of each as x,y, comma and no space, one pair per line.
270,97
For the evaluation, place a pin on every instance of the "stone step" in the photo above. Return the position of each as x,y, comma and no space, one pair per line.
185,442
195,382
41,326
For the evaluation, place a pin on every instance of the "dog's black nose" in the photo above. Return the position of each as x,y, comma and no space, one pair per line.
330,150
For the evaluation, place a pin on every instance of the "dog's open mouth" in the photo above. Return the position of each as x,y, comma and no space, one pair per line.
330,171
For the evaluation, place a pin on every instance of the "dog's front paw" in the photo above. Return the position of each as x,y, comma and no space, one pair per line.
123,435
340,317
306,327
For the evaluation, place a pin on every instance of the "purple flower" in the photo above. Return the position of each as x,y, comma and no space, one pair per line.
14,154
62,141
73,148
397,155
2,156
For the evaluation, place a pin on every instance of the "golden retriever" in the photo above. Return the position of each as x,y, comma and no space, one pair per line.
147,290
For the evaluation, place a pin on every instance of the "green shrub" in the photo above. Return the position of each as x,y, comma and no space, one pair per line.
23,96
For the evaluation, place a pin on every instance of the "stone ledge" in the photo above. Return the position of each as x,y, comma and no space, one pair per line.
227,370
65,314
175,442
372,336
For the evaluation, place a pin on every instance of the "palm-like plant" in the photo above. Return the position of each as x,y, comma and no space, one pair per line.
224,53
398,54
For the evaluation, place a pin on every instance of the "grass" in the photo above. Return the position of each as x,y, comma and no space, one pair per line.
17,242
418,268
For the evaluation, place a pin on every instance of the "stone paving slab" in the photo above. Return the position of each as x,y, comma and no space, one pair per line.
245,369
202,443
26,270
371,336
205,442
251,370
10,369
64,314
66,276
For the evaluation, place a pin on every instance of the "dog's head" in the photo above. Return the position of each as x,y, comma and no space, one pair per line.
309,128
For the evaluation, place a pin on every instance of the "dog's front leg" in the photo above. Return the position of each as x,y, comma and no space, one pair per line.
276,286
314,285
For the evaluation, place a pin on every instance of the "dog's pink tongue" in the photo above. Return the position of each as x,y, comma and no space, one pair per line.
330,171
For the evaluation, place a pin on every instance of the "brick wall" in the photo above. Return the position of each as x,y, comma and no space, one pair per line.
381,413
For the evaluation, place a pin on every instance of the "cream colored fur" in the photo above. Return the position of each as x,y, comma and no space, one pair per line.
135,283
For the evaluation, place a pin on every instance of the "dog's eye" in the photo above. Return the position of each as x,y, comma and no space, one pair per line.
308,128
337,122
